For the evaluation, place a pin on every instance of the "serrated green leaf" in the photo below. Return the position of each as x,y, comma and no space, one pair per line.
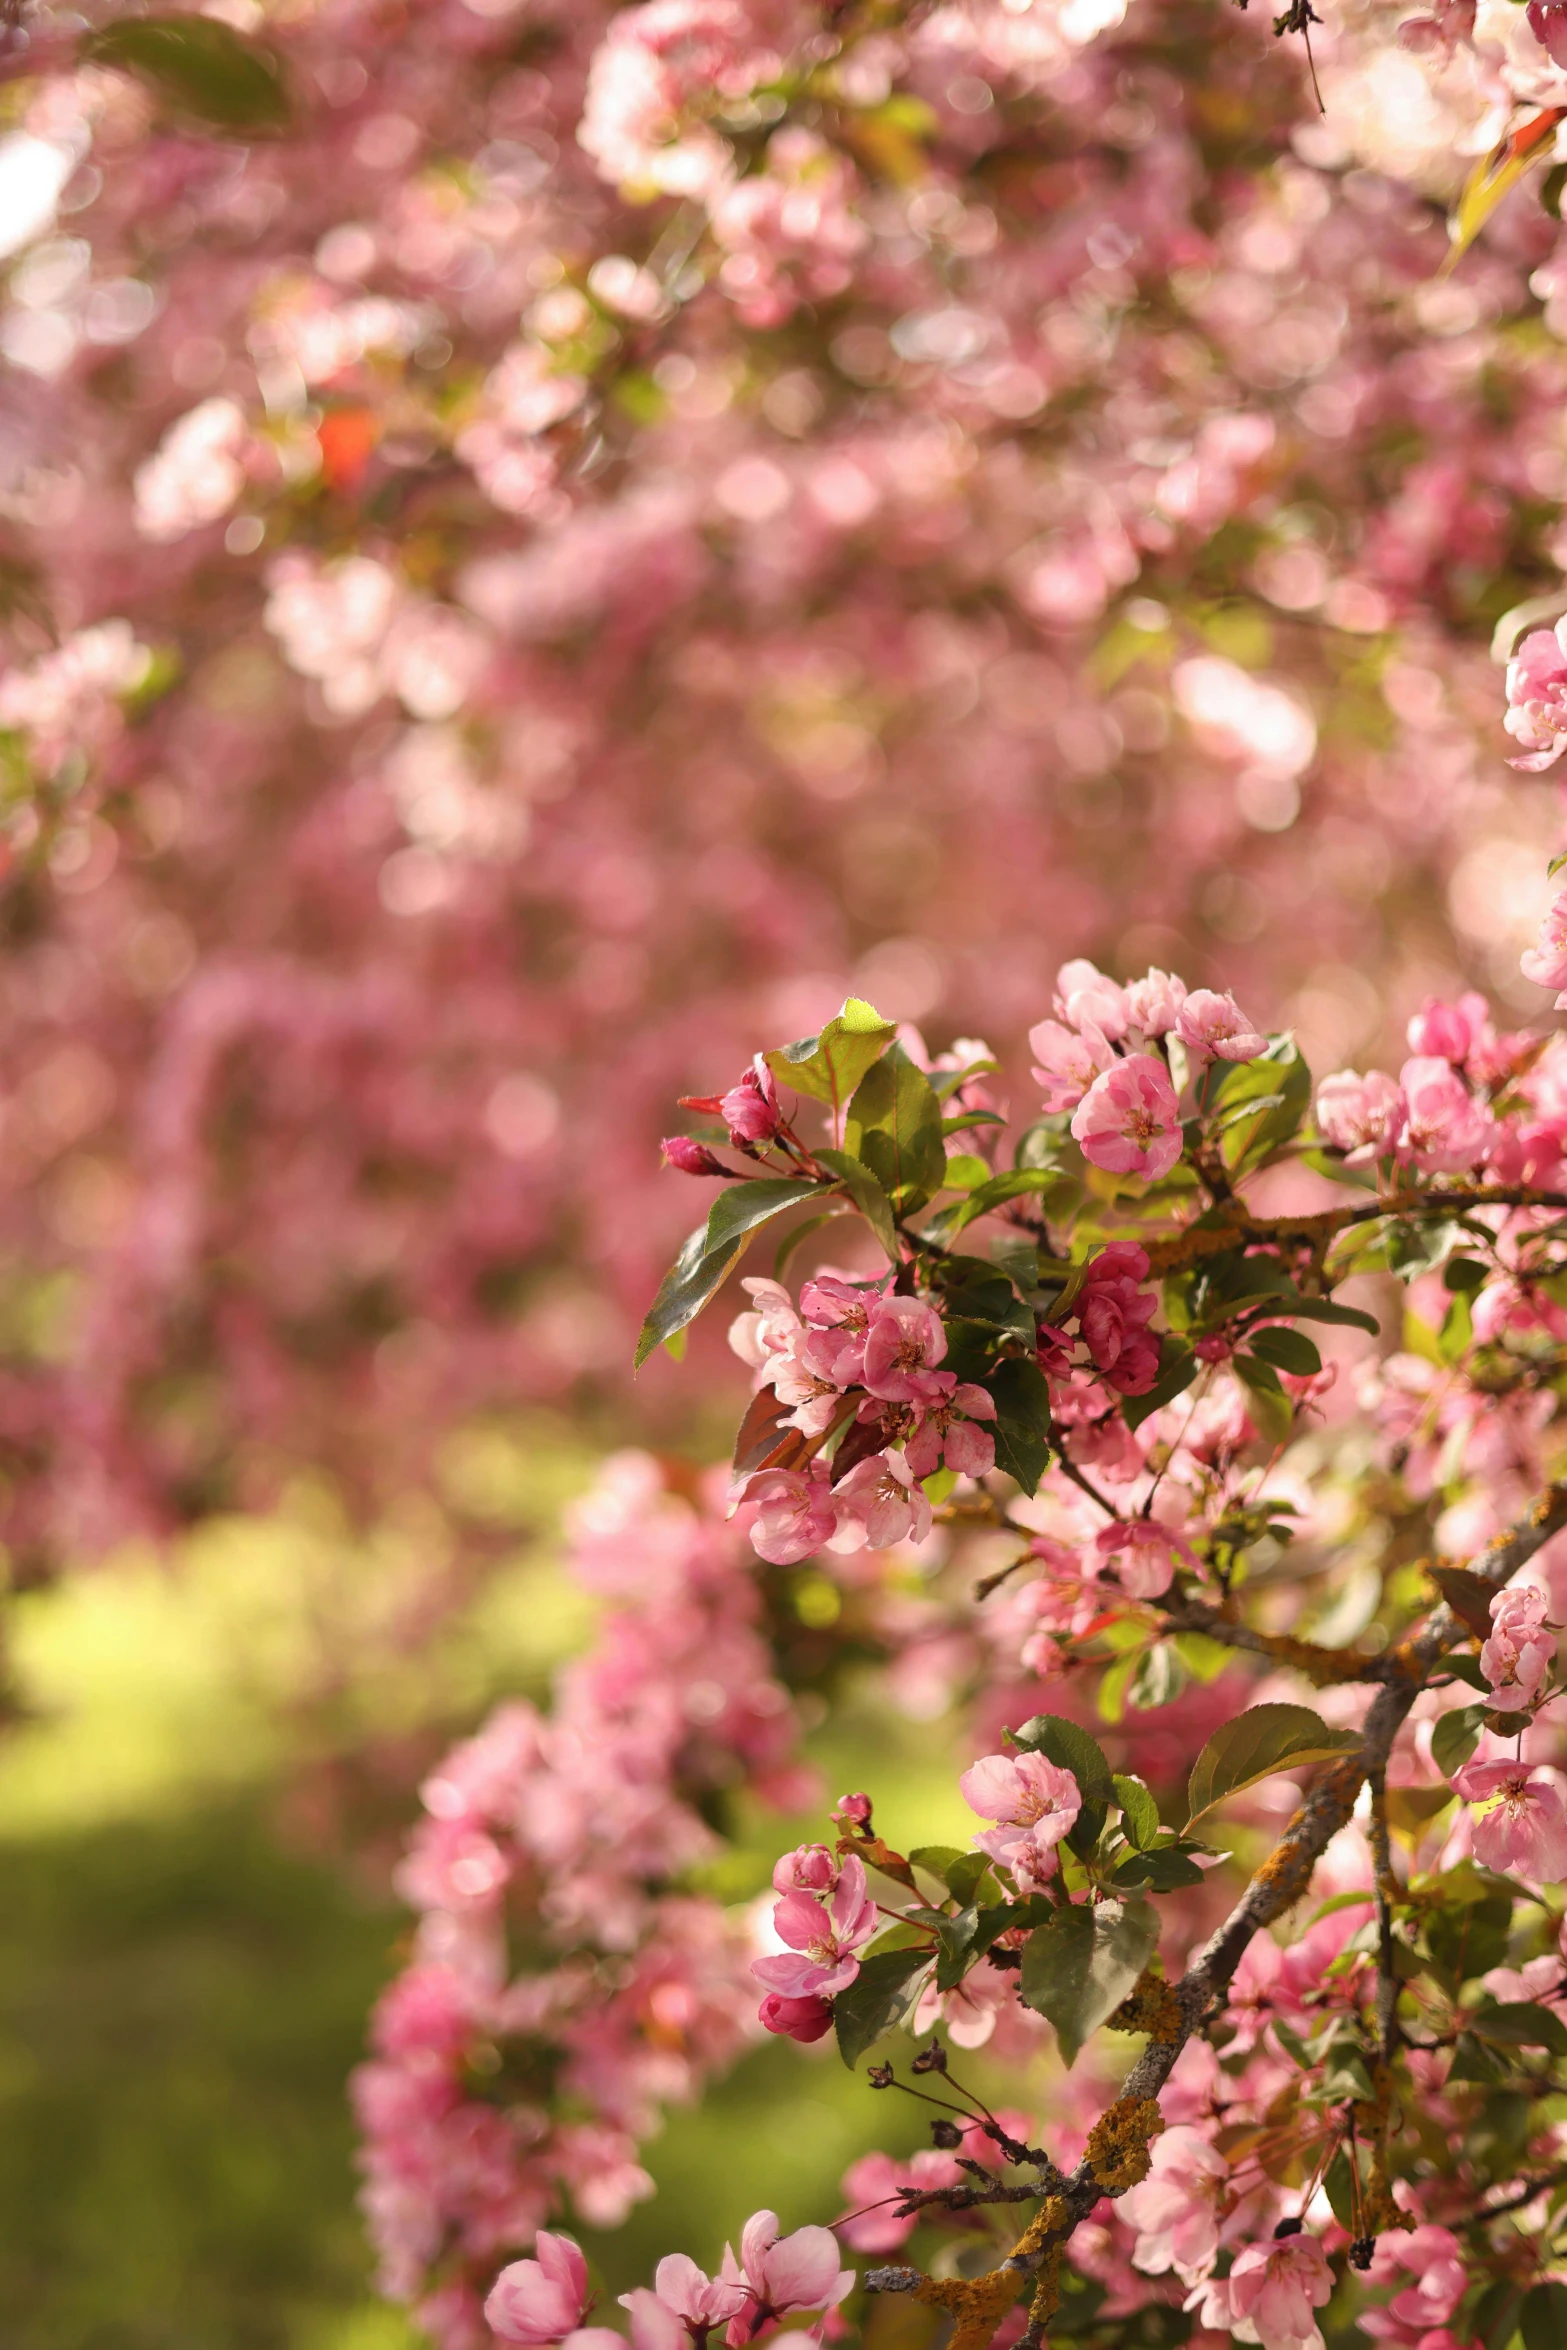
867,1195
894,1127
199,65
1264,1739
828,1067
1021,1427
877,2001
1080,1965
1455,1736
711,1251
1139,1812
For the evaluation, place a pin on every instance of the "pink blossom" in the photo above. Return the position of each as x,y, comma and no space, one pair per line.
810,1868
1213,1027
1537,697
804,1375
1113,1314
691,1158
766,1331
1066,1062
904,1342
1033,1801
795,1514
875,2184
1129,1120
1526,1827
784,2273
1153,1004
1269,2295
1546,962
882,1496
1433,2258
947,1430
1145,1553
1520,1652
1176,2209
542,2300
804,2019
696,2299
1445,1130
750,1108
1448,1031
1361,1116
1086,999
825,1936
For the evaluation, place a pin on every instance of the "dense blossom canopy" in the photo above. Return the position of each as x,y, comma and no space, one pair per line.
545,547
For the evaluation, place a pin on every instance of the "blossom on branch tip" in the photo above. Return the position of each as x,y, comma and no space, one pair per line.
1067,1061
1129,1121
542,2300
1361,1116
1520,1651
1270,2294
1176,2209
784,2273
1445,1130
803,2019
1144,1553
880,1503
823,1937
1213,1027
1033,1801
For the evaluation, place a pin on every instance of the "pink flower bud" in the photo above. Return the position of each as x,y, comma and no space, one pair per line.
796,2019
692,1158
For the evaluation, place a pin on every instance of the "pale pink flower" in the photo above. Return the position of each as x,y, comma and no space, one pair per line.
1129,1120
1526,1827
1412,2319
196,473
803,1376
766,1331
794,1514
810,1868
1066,1062
654,2326
1520,1652
1269,2295
1360,1116
1144,1552
1033,1801
1213,1027
1546,962
1176,2209
1445,1130
1085,998
1154,1004
947,1430
542,2300
696,2299
1537,697
822,1937
883,1496
801,2271
904,1342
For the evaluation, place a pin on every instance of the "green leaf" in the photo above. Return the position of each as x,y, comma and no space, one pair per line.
867,1195
1264,1739
1339,2187
1158,1872
894,1126
1328,1309
877,2001
1543,2319
1014,1184
1519,2024
1345,2076
1455,1736
792,1239
711,1251
1266,1401
1286,1350
1139,1812
1021,1426
200,66
963,1119
829,1067
1278,1089
1080,1965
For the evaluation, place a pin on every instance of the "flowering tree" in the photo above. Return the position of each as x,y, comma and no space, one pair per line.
1120,1414
543,543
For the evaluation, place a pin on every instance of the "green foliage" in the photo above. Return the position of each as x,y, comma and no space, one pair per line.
1455,1736
712,1251
201,67
894,1127
867,1195
1261,1105
1264,1739
828,1067
1080,1965
1073,1749
878,1999
1021,1426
